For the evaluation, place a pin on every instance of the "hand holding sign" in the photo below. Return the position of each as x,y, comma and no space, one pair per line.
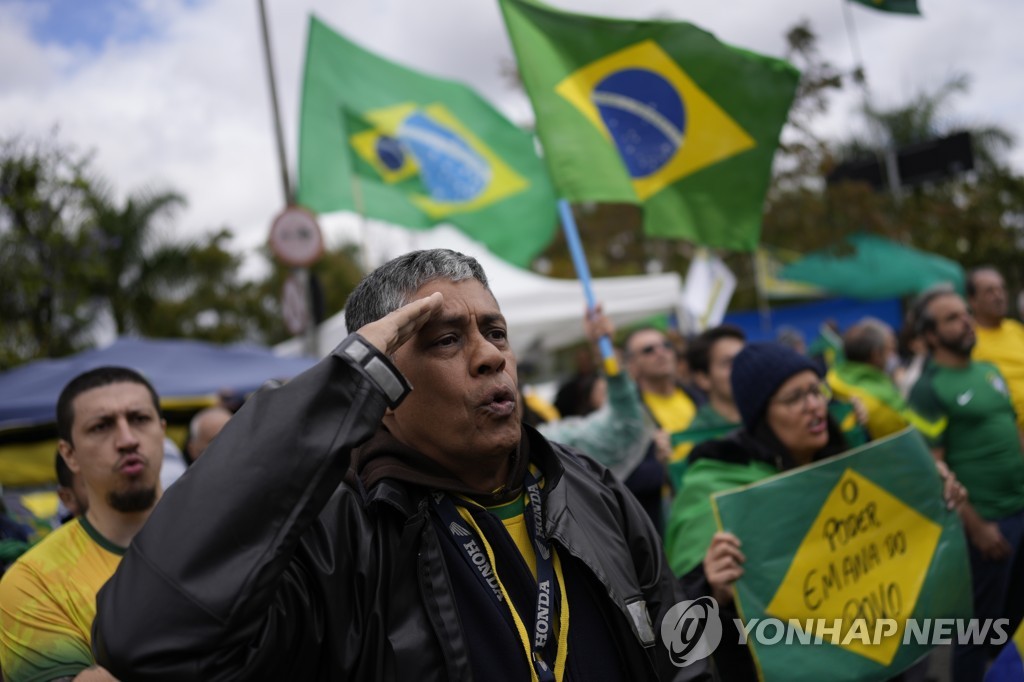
854,550
723,565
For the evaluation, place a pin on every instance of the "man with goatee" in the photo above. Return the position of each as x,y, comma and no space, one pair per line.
111,435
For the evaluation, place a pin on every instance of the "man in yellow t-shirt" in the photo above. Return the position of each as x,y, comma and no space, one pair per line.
1000,339
111,434
651,360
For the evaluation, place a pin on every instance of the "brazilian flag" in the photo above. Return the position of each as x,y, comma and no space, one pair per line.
406,148
896,6
654,113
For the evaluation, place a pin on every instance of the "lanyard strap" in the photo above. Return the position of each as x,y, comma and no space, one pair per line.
544,648
467,540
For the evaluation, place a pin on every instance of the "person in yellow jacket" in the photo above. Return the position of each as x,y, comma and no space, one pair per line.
1000,339
869,348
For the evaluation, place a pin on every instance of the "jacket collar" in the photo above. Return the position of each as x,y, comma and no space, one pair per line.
402,478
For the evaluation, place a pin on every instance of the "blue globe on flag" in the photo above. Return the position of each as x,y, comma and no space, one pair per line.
645,116
450,168
390,152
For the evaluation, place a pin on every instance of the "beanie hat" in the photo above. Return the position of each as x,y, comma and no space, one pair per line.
758,371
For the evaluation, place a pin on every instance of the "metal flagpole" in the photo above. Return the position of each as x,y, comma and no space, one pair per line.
888,157
579,260
303,274
278,135
764,308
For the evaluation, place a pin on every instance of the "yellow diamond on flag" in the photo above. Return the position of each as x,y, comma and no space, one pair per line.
862,564
459,171
663,124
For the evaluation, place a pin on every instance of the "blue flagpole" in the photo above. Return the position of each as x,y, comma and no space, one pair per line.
579,260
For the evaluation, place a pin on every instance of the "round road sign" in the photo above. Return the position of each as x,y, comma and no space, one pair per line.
295,237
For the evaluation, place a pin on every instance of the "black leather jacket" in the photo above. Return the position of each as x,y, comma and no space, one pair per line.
260,563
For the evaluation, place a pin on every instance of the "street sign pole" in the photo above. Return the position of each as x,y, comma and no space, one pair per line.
301,272
296,241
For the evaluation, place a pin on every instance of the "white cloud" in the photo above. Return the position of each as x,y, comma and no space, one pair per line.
189,109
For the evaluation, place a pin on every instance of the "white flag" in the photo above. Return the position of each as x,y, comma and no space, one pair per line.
709,288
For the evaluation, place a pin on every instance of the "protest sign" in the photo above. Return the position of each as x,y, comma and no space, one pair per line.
851,560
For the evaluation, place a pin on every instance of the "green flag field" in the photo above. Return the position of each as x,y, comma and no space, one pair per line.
654,113
399,146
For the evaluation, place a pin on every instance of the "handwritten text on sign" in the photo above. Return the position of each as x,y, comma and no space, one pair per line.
864,559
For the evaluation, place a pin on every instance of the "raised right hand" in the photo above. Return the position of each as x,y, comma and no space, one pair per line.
596,324
390,332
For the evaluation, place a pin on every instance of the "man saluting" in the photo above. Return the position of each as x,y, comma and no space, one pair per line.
387,516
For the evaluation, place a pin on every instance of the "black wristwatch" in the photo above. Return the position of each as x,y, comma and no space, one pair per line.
377,366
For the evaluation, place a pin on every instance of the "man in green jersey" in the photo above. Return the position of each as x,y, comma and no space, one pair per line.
962,406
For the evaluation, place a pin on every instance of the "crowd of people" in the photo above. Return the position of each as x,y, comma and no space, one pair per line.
403,511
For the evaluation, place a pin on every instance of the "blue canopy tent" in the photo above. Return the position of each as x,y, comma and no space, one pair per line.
186,374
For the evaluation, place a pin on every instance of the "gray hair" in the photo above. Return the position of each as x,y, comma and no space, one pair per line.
392,285
864,338
791,337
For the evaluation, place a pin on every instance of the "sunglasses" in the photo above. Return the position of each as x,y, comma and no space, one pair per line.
650,349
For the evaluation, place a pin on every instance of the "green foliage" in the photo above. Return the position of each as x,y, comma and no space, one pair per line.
975,218
210,303
338,272
73,255
45,311
131,266
802,153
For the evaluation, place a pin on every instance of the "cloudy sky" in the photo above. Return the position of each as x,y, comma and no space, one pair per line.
173,94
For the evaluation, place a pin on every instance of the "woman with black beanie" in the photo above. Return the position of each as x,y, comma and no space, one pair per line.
783,402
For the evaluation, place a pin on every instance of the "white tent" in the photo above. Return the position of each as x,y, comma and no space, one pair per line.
543,313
